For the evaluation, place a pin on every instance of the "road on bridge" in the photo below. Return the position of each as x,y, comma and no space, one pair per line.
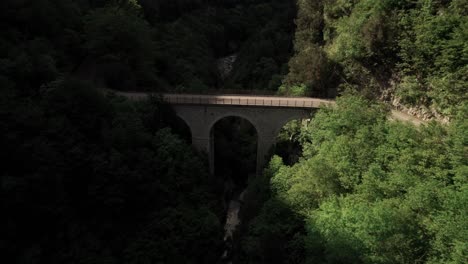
253,100
240,100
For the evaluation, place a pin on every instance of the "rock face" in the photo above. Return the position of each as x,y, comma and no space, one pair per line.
225,65
232,221
419,111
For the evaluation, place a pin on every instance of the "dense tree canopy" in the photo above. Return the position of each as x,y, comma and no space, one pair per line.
84,178
367,190
89,177
416,49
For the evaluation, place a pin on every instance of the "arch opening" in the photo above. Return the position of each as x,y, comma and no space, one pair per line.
176,122
234,145
288,142
180,128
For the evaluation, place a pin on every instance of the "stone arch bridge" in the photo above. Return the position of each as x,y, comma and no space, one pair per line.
268,114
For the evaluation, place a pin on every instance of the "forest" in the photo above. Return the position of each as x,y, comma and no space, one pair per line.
88,176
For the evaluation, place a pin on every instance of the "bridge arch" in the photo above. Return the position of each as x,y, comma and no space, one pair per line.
285,122
187,122
238,114
267,121
240,137
232,114
268,114
181,127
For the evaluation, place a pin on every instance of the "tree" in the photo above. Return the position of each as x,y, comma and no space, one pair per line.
120,42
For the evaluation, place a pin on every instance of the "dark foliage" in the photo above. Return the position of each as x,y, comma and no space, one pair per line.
85,180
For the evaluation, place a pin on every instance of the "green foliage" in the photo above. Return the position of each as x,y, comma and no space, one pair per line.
94,174
417,47
366,32
448,226
275,236
175,230
369,190
296,90
287,142
433,48
261,59
410,91
94,179
121,44
356,231
311,68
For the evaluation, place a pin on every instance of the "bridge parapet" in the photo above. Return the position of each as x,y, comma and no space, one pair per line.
237,100
242,100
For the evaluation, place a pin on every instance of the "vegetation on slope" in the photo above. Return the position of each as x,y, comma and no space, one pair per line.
417,48
89,178
367,190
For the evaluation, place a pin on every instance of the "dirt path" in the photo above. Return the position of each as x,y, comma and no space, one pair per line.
397,115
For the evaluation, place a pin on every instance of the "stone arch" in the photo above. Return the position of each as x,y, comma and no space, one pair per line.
285,122
232,114
186,121
267,121
182,122
217,121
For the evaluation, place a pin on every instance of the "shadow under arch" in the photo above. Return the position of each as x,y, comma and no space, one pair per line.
181,128
305,118
176,122
231,115
288,144
234,141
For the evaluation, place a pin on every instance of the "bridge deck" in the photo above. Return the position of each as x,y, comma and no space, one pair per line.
240,100
249,100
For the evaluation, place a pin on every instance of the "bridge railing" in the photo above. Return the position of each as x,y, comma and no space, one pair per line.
241,100
227,92
246,100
